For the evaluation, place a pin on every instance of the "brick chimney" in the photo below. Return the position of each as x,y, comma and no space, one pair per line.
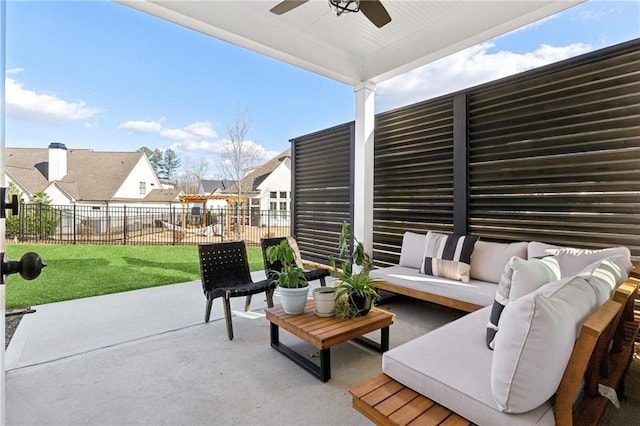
57,161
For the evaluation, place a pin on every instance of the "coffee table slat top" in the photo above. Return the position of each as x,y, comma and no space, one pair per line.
324,333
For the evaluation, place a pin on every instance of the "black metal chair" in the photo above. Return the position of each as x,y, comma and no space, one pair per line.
271,267
224,269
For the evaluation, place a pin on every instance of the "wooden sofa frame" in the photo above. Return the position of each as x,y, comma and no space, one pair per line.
602,354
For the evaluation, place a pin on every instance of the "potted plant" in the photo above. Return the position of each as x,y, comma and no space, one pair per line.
357,291
293,287
324,301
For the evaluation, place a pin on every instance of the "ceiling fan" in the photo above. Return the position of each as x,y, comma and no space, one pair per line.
372,9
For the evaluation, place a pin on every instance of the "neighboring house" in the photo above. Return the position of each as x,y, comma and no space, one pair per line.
215,187
87,177
269,190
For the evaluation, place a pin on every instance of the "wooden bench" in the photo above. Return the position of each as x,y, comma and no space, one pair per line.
387,402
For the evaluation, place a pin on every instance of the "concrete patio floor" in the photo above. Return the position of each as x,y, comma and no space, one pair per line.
147,357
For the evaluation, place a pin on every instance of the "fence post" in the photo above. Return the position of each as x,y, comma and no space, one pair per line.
75,228
124,218
40,220
173,220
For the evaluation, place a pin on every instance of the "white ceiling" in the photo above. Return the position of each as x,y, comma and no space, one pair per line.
349,48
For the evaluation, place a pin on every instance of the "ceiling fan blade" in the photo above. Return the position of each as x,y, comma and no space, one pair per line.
375,12
286,6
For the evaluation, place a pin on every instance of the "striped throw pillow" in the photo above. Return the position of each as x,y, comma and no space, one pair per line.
448,256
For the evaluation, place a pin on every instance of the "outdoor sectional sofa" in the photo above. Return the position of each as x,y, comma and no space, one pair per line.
569,329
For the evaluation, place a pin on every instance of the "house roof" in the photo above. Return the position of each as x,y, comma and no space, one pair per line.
29,167
349,48
251,181
211,186
163,196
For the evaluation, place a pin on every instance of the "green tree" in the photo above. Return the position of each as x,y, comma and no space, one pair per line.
12,224
155,157
38,217
169,164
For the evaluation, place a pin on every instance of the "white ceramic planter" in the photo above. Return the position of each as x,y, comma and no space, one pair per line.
324,299
293,299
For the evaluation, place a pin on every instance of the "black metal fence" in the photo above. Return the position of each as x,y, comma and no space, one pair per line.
104,224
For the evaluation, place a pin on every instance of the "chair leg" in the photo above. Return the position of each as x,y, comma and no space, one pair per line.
323,283
269,298
207,312
247,303
227,317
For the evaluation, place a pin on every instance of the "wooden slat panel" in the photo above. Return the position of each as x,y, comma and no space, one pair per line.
554,154
322,190
413,180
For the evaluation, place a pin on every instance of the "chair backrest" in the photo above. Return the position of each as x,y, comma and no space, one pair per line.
270,267
224,265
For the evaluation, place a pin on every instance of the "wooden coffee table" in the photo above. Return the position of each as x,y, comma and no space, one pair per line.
323,333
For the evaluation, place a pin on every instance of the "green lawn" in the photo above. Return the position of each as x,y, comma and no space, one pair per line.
75,271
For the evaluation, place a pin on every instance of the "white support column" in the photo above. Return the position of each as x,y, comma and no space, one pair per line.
363,165
3,57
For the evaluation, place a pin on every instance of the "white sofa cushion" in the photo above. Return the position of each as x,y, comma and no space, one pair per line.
477,292
489,259
520,277
448,256
573,260
452,367
536,338
412,249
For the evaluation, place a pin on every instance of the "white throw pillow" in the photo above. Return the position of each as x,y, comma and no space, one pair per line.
520,277
411,251
530,275
489,259
536,338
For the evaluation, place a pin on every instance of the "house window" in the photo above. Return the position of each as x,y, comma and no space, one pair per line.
273,205
283,205
283,194
143,188
273,194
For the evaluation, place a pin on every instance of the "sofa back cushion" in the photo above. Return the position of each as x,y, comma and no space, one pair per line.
489,259
412,249
536,338
573,260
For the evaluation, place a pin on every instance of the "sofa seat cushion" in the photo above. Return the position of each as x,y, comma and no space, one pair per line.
475,292
452,366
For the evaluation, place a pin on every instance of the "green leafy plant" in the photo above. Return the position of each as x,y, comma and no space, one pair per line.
358,284
290,275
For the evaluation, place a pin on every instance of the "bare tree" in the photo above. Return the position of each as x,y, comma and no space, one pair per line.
239,156
193,173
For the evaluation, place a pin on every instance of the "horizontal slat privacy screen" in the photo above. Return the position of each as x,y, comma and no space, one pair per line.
552,154
555,156
322,190
413,181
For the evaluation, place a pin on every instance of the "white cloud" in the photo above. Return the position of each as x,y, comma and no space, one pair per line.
138,126
177,134
201,128
467,68
28,104
14,71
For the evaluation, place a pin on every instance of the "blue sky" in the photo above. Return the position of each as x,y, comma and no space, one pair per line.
99,75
